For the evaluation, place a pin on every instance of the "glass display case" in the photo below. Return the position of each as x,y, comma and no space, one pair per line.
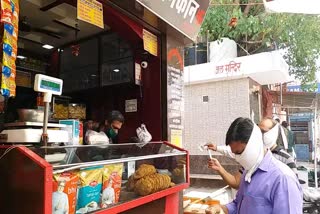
101,179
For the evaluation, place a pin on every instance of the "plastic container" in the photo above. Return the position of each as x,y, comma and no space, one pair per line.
77,111
60,107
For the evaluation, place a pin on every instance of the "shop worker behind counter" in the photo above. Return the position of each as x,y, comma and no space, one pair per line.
112,125
267,185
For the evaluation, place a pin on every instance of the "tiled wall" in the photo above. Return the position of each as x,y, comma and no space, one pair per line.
210,121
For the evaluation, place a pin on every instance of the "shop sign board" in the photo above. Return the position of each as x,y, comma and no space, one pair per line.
90,11
184,15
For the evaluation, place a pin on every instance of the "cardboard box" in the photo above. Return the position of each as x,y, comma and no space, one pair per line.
73,129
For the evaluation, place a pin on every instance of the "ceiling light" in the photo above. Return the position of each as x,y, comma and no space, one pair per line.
46,46
21,57
116,70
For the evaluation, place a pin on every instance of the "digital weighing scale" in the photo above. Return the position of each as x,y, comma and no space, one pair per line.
32,132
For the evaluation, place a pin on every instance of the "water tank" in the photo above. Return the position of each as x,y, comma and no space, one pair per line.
222,49
191,57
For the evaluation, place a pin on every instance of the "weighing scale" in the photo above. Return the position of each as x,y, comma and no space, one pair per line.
32,132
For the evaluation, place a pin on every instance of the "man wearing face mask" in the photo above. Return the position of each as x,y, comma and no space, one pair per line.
270,129
282,139
271,134
267,185
112,125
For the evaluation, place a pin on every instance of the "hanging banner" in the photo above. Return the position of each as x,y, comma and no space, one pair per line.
90,11
150,42
292,6
9,18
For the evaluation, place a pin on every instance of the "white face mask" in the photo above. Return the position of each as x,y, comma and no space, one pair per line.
253,154
271,136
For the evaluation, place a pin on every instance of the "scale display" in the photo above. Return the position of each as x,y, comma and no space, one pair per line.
47,84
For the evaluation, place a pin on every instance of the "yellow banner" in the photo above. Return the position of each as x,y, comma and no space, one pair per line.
150,42
90,11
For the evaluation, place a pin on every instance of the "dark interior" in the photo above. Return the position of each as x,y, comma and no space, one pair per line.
90,78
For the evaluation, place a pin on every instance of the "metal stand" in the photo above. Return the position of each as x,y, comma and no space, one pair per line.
44,137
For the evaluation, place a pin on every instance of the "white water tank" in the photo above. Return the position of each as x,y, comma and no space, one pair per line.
222,49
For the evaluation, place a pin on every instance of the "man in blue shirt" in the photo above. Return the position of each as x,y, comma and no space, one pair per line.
267,185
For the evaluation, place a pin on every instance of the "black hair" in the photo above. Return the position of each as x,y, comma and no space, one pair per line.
239,130
115,116
285,124
102,127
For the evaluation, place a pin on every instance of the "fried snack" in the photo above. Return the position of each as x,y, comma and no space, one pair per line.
131,183
152,183
144,186
144,170
178,171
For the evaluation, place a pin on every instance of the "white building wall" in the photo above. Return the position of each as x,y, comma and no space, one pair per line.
210,121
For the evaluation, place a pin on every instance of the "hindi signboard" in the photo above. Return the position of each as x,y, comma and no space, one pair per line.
184,15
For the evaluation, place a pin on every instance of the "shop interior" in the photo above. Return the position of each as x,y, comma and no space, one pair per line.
98,66
102,70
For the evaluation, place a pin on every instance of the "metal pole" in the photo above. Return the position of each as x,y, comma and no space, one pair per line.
45,125
315,141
